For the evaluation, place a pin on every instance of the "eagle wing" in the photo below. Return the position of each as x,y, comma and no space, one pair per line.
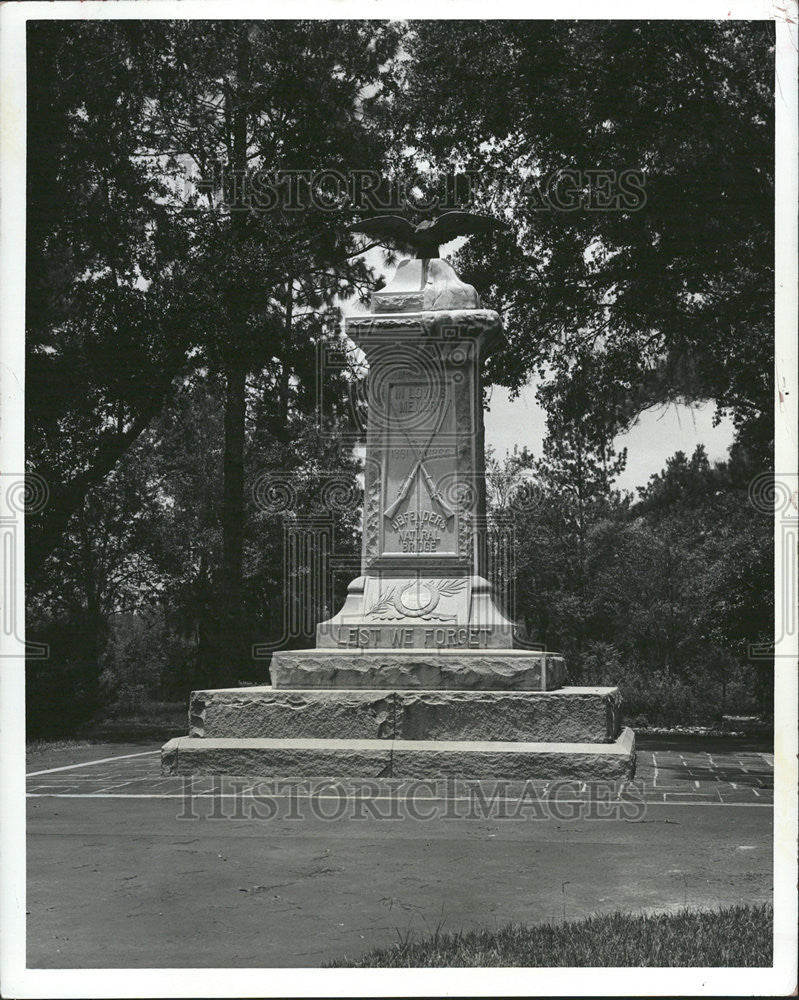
385,228
452,224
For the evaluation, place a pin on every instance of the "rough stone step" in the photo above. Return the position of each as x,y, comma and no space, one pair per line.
456,669
319,758
570,715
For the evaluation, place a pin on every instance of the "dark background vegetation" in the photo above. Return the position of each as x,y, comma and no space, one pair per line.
172,343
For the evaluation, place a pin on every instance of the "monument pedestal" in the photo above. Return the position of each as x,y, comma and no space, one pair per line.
455,669
569,715
570,732
319,758
419,675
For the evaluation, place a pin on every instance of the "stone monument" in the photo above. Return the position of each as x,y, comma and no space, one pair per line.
421,673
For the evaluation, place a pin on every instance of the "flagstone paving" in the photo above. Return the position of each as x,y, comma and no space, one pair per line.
661,776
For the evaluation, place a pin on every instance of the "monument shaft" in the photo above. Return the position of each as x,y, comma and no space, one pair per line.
424,560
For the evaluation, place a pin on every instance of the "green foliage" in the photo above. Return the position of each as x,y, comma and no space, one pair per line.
734,937
133,662
664,597
137,566
671,299
109,311
146,274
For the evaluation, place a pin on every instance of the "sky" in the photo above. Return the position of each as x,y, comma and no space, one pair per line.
655,436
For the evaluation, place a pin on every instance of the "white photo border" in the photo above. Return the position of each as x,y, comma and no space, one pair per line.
18,981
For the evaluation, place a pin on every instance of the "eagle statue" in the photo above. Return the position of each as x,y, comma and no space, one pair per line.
425,239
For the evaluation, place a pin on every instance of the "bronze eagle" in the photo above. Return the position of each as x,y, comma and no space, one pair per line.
425,239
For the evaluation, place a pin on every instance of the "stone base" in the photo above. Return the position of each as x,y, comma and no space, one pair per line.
495,669
568,715
320,758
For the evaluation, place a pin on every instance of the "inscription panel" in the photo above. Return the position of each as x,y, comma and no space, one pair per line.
415,637
419,459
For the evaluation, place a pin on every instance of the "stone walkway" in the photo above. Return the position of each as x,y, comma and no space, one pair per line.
668,776
723,778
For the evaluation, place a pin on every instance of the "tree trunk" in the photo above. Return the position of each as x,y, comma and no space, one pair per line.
233,652
233,646
284,383
94,624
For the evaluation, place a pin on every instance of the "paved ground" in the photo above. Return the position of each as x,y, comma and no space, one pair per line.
128,869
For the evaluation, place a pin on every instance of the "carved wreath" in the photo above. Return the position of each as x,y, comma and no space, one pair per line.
392,599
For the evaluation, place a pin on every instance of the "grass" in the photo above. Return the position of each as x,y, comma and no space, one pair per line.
734,937
151,720
155,720
39,745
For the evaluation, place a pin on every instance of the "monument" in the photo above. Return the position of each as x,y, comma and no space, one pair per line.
420,674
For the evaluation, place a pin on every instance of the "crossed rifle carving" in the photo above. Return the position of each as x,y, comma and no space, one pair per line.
419,466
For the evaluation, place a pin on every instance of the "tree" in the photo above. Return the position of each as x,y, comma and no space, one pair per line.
261,100
557,503
731,544
166,256
109,312
666,276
